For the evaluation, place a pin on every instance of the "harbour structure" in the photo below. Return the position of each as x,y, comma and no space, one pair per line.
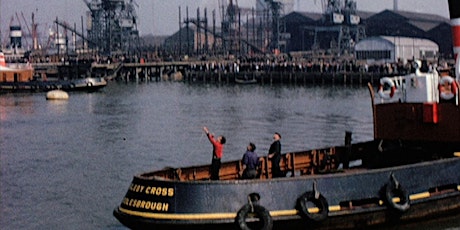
388,23
270,28
388,49
263,30
242,31
111,27
397,23
339,29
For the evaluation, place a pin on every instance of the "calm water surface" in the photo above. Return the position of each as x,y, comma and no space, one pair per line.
68,164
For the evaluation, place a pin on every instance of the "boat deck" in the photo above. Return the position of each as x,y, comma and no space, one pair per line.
338,159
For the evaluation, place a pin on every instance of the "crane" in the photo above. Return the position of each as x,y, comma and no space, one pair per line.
67,27
33,32
112,25
275,8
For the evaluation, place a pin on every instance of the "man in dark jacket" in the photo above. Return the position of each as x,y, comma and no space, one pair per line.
274,154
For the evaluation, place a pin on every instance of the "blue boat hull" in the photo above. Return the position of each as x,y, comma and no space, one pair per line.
355,198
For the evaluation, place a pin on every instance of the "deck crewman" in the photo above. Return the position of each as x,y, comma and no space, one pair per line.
217,152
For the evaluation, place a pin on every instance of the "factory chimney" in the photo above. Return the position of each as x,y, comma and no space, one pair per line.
395,5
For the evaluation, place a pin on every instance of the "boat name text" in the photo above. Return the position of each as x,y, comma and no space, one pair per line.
149,205
157,191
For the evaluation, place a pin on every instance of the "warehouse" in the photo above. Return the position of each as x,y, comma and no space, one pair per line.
391,49
301,27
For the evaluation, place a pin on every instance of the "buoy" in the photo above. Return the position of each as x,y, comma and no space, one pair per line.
57,95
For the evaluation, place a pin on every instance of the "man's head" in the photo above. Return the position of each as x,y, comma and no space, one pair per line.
251,147
221,139
276,136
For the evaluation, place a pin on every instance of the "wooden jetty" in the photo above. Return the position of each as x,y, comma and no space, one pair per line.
222,72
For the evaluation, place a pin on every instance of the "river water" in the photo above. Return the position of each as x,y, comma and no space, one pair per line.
68,164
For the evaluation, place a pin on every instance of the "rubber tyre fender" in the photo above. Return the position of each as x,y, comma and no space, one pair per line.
320,203
392,191
259,211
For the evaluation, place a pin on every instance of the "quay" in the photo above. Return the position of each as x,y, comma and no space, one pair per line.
224,72
279,77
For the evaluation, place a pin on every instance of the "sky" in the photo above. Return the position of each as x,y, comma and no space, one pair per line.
160,17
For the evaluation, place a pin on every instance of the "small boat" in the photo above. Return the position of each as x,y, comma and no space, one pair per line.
408,172
245,81
86,84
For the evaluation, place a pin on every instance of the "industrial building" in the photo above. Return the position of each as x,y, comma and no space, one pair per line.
269,28
387,49
303,29
336,32
413,25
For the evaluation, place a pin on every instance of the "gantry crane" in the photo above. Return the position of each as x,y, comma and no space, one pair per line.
112,25
341,24
275,9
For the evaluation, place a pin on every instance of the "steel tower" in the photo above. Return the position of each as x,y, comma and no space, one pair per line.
112,26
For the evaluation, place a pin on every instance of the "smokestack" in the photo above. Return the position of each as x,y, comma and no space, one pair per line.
395,5
454,13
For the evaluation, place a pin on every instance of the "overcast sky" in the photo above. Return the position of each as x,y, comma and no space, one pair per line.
160,17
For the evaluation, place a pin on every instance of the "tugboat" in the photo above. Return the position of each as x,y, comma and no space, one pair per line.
11,77
408,172
21,77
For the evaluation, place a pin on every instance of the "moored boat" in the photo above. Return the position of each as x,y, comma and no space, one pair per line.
22,77
406,173
11,76
87,84
245,81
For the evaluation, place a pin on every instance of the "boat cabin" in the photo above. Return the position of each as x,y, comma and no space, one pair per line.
16,75
424,101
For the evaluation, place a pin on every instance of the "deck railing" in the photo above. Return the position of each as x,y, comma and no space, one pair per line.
292,164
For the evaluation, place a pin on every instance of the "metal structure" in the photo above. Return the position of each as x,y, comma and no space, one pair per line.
243,31
112,26
231,28
275,9
262,34
341,27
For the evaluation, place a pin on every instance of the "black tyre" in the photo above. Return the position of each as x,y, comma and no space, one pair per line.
307,200
393,191
251,217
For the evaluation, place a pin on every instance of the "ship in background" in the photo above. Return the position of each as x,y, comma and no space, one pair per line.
17,74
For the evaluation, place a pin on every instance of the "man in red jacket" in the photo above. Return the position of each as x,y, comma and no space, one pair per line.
217,152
